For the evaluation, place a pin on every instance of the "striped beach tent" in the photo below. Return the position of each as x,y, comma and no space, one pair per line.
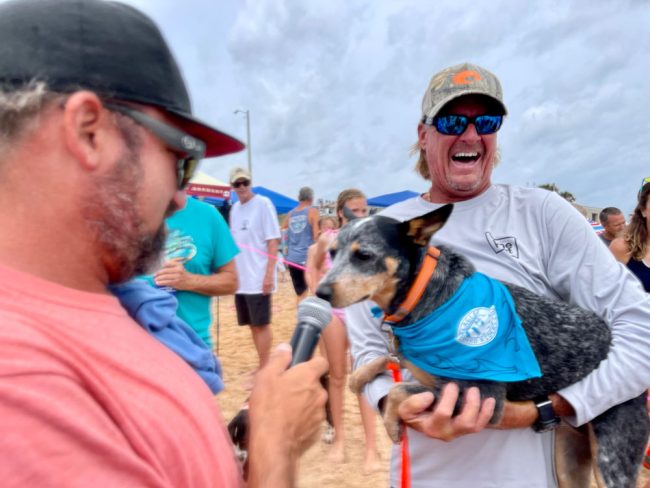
598,229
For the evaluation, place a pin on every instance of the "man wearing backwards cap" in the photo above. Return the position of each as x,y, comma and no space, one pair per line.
97,141
526,236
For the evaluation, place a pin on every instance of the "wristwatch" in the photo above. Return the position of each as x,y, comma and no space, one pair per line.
546,420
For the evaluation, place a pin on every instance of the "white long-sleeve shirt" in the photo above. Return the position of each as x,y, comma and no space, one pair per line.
535,239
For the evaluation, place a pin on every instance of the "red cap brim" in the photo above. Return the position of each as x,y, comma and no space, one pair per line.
217,143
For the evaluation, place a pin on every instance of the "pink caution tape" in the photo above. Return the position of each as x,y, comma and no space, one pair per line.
288,263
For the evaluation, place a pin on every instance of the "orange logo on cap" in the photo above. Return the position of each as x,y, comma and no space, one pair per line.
465,77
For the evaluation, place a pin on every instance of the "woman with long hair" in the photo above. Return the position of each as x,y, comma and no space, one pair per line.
351,203
633,249
328,224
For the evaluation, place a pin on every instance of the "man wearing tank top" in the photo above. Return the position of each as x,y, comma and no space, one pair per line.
302,232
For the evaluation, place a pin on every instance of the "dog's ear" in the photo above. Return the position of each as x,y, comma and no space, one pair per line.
420,229
349,214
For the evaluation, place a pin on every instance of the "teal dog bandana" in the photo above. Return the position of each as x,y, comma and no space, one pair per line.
475,335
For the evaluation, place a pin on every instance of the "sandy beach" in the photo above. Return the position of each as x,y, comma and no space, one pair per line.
238,358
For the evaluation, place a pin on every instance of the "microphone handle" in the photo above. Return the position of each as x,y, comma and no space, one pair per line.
303,343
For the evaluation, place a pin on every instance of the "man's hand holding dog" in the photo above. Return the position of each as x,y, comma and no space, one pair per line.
440,423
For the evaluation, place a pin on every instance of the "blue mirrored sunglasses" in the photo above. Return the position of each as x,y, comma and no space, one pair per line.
190,149
455,125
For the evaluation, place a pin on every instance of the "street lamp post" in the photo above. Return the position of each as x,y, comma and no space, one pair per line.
248,138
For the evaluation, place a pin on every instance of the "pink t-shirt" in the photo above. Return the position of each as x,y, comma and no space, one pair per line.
88,398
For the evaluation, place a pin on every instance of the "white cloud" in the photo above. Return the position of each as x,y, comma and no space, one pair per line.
334,87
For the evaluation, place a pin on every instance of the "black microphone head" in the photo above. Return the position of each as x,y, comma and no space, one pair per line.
315,311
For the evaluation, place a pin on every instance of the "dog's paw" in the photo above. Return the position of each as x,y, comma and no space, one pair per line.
393,428
391,418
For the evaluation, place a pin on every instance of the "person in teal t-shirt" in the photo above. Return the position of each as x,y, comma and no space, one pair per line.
199,263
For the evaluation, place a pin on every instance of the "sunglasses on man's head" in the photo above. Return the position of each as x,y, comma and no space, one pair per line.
240,183
189,147
455,125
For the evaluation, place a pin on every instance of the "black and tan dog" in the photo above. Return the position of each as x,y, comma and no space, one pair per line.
380,258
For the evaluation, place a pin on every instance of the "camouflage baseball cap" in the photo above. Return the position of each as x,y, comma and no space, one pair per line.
457,81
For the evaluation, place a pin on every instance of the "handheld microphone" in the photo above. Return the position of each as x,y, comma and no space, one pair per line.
313,315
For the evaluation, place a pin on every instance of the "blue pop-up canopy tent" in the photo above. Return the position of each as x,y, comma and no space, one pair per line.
391,198
282,203
214,201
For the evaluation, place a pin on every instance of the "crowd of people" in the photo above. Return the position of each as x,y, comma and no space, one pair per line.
93,105
107,364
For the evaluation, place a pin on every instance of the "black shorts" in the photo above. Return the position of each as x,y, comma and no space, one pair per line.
298,280
254,310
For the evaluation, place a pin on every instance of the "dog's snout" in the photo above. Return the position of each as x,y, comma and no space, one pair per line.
325,292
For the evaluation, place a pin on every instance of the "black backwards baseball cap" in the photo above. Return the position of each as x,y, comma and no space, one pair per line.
107,47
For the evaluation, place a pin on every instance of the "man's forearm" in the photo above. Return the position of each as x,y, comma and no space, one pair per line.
223,282
272,251
520,415
315,224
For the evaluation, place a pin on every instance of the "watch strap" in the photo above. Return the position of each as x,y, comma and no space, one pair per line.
546,420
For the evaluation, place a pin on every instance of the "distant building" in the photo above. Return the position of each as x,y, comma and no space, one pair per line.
326,207
590,213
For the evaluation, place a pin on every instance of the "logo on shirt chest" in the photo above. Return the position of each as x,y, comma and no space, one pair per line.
478,327
179,246
500,244
298,223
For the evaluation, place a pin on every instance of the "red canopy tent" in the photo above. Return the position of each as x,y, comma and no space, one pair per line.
203,185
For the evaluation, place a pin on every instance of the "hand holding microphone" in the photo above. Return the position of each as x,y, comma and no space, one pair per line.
313,315
287,402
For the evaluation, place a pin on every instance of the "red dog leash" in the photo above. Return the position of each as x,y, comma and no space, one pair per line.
427,268
406,459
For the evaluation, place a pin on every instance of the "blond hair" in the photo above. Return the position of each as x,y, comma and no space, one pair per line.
330,218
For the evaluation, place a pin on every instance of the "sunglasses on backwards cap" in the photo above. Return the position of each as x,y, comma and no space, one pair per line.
455,125
190,149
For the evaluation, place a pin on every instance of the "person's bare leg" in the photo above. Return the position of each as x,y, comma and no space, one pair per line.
328,433
300,298
372,461
263,340
335,342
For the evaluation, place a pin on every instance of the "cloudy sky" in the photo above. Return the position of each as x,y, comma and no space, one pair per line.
334,87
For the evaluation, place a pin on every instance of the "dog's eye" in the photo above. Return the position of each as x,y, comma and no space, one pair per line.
332,253
362,255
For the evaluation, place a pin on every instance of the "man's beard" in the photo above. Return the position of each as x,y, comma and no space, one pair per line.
126,248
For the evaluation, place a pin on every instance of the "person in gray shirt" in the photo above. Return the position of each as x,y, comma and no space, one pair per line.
525,236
